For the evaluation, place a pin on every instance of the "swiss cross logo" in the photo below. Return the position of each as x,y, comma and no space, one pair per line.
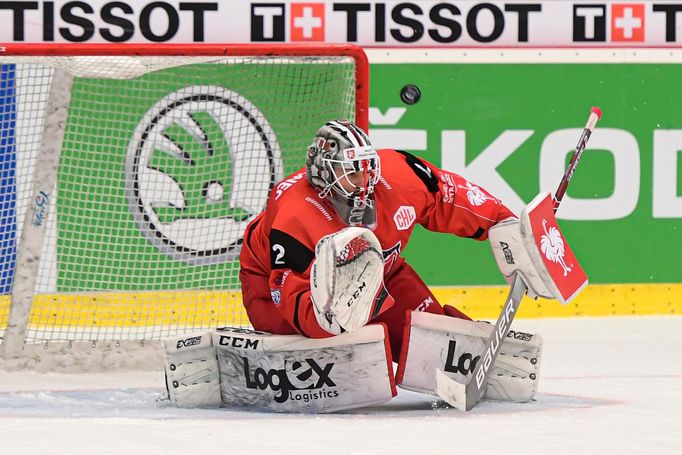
404,217
627,22
307,21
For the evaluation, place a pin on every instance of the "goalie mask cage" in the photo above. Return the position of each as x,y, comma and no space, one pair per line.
129,174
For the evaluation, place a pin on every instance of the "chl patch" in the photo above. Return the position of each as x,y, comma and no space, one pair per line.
404,217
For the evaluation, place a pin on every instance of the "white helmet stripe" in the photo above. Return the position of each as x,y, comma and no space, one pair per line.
362,134
356,137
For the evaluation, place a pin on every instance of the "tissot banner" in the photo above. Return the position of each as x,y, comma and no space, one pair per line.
370,23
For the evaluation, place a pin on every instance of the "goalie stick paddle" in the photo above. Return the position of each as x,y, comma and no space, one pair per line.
465,396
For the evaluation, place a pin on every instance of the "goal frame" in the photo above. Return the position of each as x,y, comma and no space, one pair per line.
212,49
12,347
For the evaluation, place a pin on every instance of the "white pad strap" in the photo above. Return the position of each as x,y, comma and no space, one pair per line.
291,373
455,346
192,371
347,280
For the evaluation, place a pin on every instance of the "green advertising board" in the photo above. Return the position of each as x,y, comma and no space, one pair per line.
625,224
125,138
468,113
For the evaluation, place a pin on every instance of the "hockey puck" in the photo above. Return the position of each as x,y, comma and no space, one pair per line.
410,94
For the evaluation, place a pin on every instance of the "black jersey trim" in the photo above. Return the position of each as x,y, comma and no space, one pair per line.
478,234
288,253
424,172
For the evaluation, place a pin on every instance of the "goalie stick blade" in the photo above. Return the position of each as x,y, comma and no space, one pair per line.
452,392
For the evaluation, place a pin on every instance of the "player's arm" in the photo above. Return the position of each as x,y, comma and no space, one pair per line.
460,207
290,263
451,203
336,288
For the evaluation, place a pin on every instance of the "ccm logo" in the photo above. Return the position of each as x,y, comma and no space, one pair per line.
238,342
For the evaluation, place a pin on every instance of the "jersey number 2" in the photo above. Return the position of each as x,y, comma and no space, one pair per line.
279,250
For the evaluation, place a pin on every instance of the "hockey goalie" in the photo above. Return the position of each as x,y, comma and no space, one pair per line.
333,303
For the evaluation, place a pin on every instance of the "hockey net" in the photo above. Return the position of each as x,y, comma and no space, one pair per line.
128,175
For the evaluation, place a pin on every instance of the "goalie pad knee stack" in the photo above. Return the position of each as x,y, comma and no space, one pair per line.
455,346
284,373
291,373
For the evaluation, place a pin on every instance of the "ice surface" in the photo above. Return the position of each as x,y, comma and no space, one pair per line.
608,386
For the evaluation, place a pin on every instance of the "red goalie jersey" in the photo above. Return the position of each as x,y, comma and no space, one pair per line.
279,244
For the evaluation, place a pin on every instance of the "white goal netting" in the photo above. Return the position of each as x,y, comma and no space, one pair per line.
163,162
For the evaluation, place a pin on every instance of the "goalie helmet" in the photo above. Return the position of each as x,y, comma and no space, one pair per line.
344,166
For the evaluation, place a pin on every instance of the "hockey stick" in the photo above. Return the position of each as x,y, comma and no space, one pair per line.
595,114
465,396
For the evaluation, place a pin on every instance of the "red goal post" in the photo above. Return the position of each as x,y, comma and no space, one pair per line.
213,49
131,172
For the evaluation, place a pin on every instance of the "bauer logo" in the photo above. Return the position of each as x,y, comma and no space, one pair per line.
186,182
298,380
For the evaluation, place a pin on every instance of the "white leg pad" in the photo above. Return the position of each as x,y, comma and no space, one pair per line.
192,378
291,373
455,346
